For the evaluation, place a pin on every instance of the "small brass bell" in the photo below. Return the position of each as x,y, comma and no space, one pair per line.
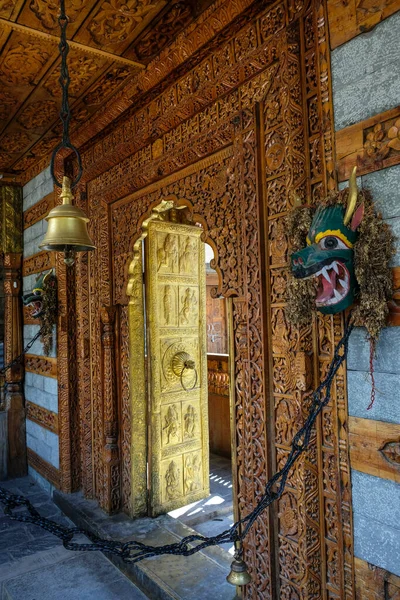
67,229
238,575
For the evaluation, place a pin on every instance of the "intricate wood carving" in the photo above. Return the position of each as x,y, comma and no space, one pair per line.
10,219
355,17
44,468
42,416
165,30
112,480
372,144
375,447
285,69
41,365
38,211
37,263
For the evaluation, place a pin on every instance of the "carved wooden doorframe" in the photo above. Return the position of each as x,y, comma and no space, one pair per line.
312,535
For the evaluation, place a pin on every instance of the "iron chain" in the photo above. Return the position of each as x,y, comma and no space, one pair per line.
134,551
65,113
19,358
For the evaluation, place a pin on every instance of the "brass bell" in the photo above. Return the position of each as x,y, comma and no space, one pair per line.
67,229
238,575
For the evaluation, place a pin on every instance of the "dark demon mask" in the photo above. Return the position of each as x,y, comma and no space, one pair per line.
329,254
35,298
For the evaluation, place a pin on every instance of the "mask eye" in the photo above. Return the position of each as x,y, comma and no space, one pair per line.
331,242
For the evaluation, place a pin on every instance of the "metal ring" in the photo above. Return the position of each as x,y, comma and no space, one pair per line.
53,157
195,381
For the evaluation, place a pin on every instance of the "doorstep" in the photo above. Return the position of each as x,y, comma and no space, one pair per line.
201,576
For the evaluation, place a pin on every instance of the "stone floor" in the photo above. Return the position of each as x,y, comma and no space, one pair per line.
34,565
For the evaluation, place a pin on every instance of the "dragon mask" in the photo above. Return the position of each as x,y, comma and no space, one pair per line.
34,299
341,253
43,303
329,254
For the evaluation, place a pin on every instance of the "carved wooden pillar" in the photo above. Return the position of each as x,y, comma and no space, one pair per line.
11,242
111,496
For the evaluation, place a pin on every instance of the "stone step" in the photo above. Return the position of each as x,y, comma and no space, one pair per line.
201,576
34,564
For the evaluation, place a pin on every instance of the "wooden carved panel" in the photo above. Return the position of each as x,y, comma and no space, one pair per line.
346,20
375,447
371,144
37,263
42,365
238,191
44,468
38,211
43,417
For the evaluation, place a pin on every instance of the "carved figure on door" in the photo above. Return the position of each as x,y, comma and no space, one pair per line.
192,473
171,423
190,420
189,302
167,254
186,261
172,477
168,304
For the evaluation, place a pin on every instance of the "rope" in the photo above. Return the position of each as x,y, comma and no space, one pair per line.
134,551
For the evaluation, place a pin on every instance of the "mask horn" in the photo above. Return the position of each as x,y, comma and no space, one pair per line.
352,200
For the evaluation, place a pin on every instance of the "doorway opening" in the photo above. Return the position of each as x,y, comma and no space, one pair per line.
214,513
181,445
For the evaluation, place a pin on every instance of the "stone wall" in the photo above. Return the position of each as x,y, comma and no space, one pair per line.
366,82
40,390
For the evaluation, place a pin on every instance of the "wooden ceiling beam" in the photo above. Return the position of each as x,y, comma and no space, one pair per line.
82,47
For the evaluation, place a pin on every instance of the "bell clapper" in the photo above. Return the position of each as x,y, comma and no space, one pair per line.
69,256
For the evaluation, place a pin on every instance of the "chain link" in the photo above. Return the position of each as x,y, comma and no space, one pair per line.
19,358
65,113
134,551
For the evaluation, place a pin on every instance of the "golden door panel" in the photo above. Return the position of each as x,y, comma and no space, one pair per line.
176,316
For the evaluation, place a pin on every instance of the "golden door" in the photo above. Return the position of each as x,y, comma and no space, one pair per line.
177,378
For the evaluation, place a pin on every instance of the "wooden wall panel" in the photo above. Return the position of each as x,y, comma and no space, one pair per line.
371,144
348,19
373,583
44,468
375,447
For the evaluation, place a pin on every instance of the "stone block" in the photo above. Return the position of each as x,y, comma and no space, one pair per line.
376,498
51,387
376,511
41,397
385,188
43,442
387,403
366,74
3,444
44,484
377,543
387,351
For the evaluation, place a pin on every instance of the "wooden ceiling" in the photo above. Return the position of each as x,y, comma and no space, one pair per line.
110,41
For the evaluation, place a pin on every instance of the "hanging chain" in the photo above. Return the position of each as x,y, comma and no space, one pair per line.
19,358
134,551
65,113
